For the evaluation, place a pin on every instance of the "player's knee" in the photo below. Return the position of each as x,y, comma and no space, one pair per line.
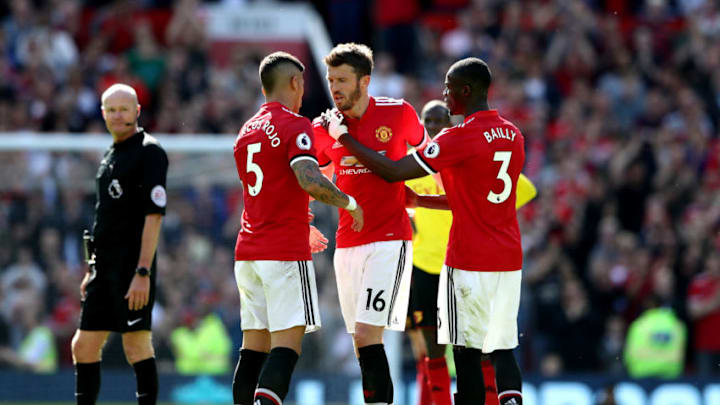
85,350
366,335
137,350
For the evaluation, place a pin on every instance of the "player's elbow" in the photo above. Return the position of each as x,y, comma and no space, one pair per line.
313,189
392,175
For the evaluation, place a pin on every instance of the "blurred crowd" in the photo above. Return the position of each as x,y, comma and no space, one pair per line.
619,103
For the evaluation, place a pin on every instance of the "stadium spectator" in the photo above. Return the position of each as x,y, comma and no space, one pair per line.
704,310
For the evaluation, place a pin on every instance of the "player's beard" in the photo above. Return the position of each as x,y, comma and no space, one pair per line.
351,99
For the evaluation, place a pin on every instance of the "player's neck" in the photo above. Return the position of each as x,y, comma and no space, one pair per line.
479,106
285,100
359,108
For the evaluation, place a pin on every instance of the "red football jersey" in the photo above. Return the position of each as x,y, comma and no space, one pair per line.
479,162
275,219
387,126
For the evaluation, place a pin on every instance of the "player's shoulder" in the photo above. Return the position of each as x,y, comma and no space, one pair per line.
152,150
291,123
291,118
445,134
151,143
508,123
389,102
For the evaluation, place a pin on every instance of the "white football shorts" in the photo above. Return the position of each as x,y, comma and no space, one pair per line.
277,295
374,283
479,309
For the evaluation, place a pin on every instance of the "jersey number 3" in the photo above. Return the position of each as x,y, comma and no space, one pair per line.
503,175
253,167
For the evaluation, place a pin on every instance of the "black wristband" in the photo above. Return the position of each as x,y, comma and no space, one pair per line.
142,271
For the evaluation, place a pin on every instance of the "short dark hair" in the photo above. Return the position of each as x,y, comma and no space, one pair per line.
269,66
358,56
432,104
474,72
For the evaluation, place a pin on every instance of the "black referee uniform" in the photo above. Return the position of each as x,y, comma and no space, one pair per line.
130,185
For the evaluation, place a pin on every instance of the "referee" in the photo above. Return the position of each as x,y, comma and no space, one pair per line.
118,291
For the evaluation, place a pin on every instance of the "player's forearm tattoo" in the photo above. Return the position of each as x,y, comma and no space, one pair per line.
318,186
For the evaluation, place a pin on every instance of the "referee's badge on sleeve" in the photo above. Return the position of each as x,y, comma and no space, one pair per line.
158,196
303,141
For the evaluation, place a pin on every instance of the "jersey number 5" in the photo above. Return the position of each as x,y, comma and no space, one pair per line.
503,175
252,149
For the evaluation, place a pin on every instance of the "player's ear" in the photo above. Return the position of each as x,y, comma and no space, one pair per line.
365,81
138,111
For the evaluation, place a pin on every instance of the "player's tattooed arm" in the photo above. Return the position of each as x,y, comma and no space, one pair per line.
320,188
390,170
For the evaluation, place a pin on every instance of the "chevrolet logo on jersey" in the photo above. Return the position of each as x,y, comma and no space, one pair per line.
383,134
350,161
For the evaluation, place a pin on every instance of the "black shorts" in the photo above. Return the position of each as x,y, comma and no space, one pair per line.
105,307
422,309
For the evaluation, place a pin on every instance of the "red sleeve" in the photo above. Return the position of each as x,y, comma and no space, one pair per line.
415,134
440,153
323,141
300,143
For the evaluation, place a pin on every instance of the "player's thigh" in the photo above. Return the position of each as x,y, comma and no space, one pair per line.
87,345
291,294
102,305
349,267
137,345
422,307
502,331
479,309
464,301
253,303
385,285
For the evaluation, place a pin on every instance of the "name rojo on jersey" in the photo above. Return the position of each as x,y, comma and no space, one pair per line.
274,221
479,162
388,126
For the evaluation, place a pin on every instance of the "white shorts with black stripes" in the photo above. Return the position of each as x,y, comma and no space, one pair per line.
277,295
374,283
479,309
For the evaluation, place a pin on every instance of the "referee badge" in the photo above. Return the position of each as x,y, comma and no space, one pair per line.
383,134
158,196
114,189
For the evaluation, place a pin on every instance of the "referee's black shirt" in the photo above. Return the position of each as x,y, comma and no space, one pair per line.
130,185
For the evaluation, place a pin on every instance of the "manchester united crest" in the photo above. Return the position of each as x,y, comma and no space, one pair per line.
383,134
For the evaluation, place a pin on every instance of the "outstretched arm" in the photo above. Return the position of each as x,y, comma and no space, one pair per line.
390,170
432,201
320,188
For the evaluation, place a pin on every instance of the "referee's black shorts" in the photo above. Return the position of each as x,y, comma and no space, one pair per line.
422,308
105,307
